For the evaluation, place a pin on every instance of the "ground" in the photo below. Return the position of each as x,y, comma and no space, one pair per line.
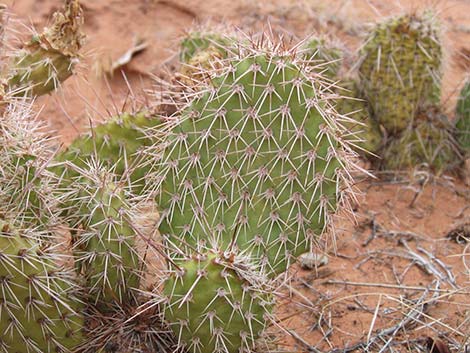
394,280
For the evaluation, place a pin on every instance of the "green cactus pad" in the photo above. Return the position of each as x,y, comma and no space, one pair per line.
324,55
199,40
364,132
37,310
254,163
114,143
105,251
212,308
39,72
24,154
400,69
48,59
428,141
462,126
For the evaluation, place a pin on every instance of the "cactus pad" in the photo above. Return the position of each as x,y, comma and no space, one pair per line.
462,126
212,307
254,163
37,310
48,59
428,141
104,251
24,154
400,69
114,143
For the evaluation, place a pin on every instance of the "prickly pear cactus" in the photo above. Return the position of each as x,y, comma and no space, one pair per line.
115,143
400,69
212,307
104,251
202,51
462,126
197,69
255,162
38,311
325,55
48,59
24,154
201,39
364,132
428,141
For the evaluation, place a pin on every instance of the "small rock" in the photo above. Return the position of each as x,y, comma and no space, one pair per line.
310,260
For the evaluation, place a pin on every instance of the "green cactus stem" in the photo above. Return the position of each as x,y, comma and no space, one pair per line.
48,59
104,250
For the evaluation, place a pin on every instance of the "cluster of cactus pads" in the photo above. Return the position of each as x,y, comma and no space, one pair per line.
245,178
400,76
393,98
224,194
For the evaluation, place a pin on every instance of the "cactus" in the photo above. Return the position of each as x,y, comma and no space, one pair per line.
200,64
104,250
202,51
24,154
462,125
365,135
400,69
38,312
48,59
115,143
254,163
212,307
428,141
324,54
201,39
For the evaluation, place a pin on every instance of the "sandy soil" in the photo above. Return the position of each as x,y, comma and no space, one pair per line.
394,270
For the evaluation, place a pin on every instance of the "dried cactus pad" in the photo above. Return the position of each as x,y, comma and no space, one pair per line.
255,162
401,69
212,308
37,310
